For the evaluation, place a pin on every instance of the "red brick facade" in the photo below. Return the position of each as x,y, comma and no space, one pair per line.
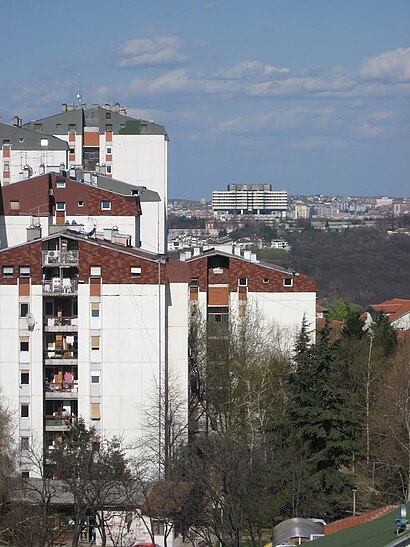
259,278
33,198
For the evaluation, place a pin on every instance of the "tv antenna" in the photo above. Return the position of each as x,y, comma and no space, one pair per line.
78,96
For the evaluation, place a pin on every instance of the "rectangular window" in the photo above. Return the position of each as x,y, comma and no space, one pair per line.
6,141
109,169
25,474
95,343
24,309
95,411
72,150
288,282
135,271
48,308
24,343
24,377
80,204
60,184
8,271
6,166
194,283
14,205
95,309
106,205
95,376
108,115
95,271
72,127
60,206
109,150
59,126
24,443
157,528
24,271
243,281
38,127
24,411
108,126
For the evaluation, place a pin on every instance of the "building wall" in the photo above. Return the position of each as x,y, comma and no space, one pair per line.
51,159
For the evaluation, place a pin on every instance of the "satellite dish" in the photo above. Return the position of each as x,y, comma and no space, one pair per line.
89,226
30,320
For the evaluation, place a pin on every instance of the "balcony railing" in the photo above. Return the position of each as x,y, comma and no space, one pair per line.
61,354
61,322
59,285
60,421
60,258
61,387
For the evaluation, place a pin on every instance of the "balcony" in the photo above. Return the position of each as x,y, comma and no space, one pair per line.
60,286
61,324
59,423
61,390
56,356
60,258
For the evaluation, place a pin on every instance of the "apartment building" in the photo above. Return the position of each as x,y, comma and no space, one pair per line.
250,199
106,140
25,153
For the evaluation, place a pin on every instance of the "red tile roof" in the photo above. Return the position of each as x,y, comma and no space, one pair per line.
395,308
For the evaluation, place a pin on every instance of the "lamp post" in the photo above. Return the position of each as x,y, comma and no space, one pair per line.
354,490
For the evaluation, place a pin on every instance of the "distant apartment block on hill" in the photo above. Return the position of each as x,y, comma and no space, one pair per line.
250,199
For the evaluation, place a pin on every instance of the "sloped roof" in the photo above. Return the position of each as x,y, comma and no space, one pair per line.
22,138
395,308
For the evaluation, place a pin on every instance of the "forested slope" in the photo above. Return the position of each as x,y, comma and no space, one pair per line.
362,265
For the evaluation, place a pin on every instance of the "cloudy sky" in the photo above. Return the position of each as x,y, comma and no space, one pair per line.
311,96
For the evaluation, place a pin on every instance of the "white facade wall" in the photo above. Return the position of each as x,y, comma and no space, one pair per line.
143,160
16,229
51,159
403,322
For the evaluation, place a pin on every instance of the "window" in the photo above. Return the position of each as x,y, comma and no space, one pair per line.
38,127
108,126
95,343
24,343
95,376
60,184
243,281
72,127
288,282
106,205
24,377
80,204
122,125
95,309
8,271
157,528
109,150
194,282
266,279
24,411
25,474
135,271
109,169
6,166
108,115
59,126
24,443
6,140
72,150
48,308
95,413
14,205
60,206
95,271
24,309
24,271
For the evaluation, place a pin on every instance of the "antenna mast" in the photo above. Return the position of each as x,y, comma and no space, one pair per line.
78,96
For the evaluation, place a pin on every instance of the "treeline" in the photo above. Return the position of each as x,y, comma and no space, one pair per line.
179,222
363,265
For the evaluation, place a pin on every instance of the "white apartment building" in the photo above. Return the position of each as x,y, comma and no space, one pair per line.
25,153
250,199
106,140
90,326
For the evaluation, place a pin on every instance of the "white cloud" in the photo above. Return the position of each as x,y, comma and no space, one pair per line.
393,65
161,50
250,69
319,143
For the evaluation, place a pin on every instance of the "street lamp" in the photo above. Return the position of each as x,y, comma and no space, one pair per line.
354,490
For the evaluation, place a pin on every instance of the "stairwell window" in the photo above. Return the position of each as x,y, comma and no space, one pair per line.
288,282
106,205
14,205
24,443
8,271
24,411
95,271
95,343
24,343
135,271
60,206
243,281
24,271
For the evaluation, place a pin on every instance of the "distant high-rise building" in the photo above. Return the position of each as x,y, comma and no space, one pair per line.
250,199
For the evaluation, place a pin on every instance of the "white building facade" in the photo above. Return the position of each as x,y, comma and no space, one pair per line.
250,199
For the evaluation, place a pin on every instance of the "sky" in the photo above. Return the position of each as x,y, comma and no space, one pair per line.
310,96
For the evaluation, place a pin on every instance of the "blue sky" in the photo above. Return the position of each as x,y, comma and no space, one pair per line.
311,96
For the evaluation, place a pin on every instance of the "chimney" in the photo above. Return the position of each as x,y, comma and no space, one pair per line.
182,257
247,255
197,251
42,169
117,107
107,106
16,121
64,107
26,172
253,257
237,250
